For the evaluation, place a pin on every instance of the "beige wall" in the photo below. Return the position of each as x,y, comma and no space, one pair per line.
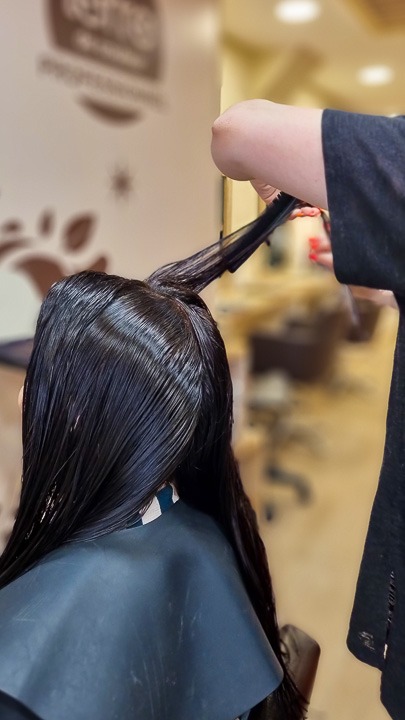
104,163
237,81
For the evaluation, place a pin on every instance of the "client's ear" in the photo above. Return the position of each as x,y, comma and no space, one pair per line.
20,397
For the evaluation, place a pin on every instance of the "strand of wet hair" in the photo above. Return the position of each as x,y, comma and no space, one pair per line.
230,252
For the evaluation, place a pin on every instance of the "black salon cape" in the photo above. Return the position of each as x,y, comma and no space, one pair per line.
365,172
148,623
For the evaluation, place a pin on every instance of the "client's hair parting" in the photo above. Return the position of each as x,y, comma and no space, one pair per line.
128,387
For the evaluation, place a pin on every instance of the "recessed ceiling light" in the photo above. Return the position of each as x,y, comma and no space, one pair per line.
375,75
297,11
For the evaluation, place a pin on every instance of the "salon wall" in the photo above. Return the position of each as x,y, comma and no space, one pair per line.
249,73
104,142
238,69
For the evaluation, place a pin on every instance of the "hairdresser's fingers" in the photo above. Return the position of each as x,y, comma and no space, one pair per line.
265,191
307,211
322,258
321,254
320,244
321,251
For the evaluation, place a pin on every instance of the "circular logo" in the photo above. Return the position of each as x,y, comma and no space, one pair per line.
118,35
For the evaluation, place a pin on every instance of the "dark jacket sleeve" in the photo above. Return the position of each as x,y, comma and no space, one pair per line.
365,175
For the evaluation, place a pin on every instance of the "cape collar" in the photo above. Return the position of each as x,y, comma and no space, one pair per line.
164,499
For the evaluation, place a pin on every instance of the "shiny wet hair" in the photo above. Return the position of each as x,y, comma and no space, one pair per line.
128,388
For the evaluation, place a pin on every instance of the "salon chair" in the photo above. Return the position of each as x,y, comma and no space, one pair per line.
368,316
16,353
305,348
303,351
303,654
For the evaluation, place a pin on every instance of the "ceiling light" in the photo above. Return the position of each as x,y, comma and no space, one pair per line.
375,75
297,11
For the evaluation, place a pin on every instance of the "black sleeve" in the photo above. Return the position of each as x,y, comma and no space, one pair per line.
10,709
365,175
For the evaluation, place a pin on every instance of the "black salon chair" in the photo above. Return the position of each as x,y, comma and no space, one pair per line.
302,351
16,353
368,314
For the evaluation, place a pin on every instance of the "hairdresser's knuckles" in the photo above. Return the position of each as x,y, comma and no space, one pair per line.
266,192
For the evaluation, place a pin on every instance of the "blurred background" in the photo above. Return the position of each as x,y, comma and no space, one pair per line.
107,109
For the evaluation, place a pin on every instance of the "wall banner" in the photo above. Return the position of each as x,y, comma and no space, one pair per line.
104,138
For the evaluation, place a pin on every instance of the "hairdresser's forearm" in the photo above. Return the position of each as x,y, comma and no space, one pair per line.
276,144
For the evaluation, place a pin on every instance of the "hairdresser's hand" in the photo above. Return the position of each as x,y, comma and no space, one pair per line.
266,192
307,211
269,193
279,144
321,254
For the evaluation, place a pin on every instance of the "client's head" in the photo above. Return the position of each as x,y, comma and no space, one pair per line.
128,387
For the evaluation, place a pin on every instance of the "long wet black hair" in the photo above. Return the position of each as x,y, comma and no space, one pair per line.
128,387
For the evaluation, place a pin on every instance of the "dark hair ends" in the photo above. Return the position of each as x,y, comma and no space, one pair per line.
128,387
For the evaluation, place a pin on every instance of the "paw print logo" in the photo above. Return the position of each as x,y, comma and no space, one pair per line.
38,259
